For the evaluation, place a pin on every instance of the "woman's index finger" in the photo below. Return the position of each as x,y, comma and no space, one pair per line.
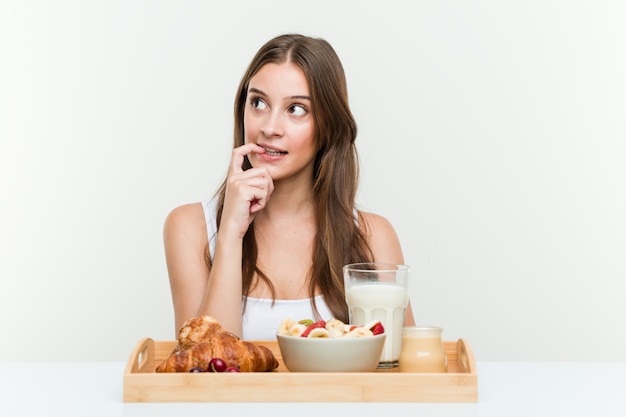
236,165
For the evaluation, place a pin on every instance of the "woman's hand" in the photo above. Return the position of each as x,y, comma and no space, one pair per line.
247,192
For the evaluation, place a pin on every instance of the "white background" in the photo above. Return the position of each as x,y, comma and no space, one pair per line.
492,134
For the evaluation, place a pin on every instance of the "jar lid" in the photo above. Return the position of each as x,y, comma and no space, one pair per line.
422,331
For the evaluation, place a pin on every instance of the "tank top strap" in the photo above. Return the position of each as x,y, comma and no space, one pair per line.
210,215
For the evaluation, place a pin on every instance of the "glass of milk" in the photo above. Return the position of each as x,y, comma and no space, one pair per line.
379,291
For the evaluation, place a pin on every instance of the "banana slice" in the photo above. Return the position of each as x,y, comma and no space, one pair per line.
285,326
335,327
334,323
319,332
296,330
371,324
335,332
359,332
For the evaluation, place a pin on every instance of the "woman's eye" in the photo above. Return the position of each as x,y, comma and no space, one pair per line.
257,103
297,110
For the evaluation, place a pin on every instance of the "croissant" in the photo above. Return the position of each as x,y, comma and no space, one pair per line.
202,338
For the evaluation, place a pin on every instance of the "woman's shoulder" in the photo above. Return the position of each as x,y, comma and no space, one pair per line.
185,218
382,237
374,222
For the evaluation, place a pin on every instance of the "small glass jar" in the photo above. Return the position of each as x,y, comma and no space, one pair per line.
422,350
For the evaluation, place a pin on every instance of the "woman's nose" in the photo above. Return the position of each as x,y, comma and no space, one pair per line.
272,126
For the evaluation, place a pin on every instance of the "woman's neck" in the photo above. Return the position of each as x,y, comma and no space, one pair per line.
289,204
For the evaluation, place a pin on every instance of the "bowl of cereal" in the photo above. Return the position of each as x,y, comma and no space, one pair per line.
330,346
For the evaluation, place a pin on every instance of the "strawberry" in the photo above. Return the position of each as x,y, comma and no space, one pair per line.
378,328
317,325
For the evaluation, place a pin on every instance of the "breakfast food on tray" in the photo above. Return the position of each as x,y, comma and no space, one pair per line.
331,328
202,339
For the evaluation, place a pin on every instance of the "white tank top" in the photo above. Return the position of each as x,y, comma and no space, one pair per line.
260,318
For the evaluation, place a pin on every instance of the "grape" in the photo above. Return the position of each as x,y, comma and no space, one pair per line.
196,369
216,365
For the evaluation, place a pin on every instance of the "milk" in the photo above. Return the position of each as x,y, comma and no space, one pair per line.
384,302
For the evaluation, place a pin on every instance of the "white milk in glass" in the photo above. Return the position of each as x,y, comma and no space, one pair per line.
384,302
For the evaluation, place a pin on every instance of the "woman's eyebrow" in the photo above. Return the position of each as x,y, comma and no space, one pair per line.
296,97
256,91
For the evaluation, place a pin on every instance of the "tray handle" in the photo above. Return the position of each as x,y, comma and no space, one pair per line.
465,357
141,357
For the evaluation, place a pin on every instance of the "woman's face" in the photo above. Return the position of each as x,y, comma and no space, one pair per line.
278,117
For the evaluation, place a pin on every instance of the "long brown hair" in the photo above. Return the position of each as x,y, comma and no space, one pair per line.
339,239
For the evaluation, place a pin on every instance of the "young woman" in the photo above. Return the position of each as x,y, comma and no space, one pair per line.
272,242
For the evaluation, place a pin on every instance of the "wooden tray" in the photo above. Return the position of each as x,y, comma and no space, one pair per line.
143,384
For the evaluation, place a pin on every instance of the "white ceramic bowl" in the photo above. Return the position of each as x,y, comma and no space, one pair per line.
340,354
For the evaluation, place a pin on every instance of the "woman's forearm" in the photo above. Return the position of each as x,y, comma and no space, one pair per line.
222,298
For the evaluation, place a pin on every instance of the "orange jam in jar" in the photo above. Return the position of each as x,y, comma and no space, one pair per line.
422,350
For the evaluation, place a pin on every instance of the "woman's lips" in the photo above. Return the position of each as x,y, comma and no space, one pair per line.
273,151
